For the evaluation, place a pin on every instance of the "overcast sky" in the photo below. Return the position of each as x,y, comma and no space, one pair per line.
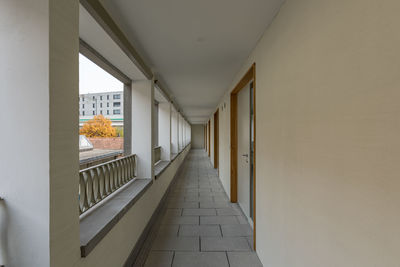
93,79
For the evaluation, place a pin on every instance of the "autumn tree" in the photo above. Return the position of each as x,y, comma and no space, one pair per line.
99,126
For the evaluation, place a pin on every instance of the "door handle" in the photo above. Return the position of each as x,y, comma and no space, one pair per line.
245,155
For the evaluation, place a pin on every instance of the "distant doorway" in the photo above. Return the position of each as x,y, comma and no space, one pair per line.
243,139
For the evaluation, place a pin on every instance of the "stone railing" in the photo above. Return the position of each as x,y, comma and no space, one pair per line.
157,154
98,182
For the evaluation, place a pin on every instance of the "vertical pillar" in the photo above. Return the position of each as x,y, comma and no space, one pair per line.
142,126
180,121
174,131
127,119
155,124
164,130
40,161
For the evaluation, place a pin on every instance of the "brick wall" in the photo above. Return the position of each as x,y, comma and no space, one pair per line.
107,142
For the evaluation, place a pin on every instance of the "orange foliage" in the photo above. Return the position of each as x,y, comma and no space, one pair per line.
99,126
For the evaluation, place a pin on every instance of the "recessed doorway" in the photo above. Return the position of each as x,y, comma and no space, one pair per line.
243,140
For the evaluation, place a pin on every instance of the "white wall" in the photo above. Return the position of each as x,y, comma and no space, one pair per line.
198,136
328,146
39,70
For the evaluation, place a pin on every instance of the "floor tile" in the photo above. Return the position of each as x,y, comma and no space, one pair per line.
240,259
181,204
173,212
228,211
218,220
198,212
214,205
236,230
159,259
200,259
176,243
242,220
180,220
224,244
168,229
199,230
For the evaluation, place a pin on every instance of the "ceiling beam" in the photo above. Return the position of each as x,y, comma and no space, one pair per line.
101,16
89,52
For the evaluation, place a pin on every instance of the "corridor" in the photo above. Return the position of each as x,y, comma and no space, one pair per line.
198,225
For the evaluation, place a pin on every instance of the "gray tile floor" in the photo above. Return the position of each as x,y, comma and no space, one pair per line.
199,226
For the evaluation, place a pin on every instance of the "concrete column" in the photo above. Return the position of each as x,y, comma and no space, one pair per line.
127,119
164,130
142,126
180,121
184,133
39,162
174,131
156,142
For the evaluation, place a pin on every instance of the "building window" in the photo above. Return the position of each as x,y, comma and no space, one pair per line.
94,105
83,105
108,97
94,98
108,104
101,105
116,96
101,112
116,104
108,112
101,97
83,99
94,113
83,113
116,111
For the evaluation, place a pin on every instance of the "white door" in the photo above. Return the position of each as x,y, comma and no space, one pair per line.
243,128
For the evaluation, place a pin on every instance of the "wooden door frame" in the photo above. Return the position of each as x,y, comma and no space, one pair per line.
216,139
246,79
205,137
208,138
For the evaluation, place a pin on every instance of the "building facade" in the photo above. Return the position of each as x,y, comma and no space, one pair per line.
108,104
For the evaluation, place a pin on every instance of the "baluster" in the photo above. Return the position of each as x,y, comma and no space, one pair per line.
112,178
83,203
116,171
95,187
128,160
102,185
89,188
123,171
121,174
126,170
106,179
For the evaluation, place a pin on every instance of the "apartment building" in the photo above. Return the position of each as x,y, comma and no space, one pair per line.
110,105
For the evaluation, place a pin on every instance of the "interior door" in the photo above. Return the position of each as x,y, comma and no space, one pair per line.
244,160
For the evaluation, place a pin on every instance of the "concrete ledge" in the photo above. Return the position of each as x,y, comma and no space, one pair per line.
95,225
160,167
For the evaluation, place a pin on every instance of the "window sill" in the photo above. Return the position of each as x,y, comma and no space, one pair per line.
173,156
160,167
95,225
